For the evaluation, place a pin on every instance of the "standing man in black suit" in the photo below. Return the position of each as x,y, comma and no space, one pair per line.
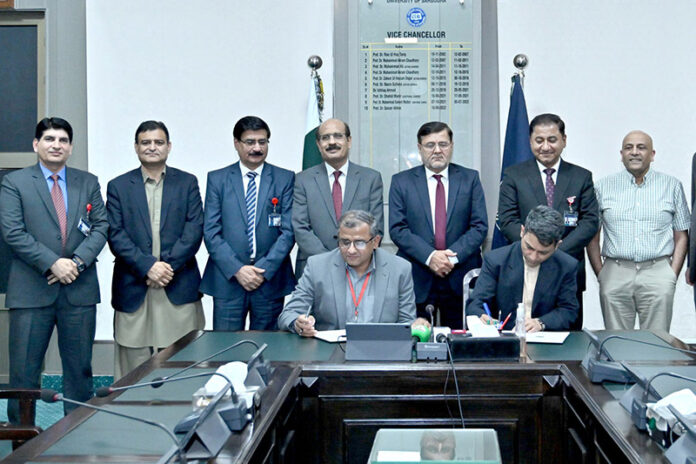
156,228
437,218
549,180
690,274
53,219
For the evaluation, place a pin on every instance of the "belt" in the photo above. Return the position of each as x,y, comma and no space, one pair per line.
638,265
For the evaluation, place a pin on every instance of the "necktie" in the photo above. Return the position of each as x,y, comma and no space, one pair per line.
59,204
250,199
337,193
440,215
550,186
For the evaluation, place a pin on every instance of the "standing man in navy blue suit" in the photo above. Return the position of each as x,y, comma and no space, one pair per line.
437,218
156,228
53,219
248,233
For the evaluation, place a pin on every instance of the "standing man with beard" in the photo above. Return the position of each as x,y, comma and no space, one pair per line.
248,234
645,218
322,192
156,228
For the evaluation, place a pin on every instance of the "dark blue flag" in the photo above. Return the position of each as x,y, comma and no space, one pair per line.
516,147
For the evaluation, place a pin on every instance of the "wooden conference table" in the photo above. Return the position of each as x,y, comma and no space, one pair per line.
318,408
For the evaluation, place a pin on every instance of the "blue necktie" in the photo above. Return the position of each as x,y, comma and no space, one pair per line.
250,200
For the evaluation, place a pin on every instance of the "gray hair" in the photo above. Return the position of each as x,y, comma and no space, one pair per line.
546,223
353,218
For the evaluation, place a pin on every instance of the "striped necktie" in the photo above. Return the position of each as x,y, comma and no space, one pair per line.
59,203
250,200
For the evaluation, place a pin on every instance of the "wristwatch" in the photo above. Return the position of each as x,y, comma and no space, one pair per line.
541,323
80,264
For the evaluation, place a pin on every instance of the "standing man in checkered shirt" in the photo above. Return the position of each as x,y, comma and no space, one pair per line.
645,218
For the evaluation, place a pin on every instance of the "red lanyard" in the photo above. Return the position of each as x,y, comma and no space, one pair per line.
362,291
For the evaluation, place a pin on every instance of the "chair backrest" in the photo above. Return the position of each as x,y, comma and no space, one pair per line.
468,283
26,429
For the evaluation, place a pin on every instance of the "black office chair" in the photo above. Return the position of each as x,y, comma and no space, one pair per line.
26,429
468,283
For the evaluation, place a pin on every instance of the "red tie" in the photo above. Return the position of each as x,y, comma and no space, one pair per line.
440,215
59,204
337,193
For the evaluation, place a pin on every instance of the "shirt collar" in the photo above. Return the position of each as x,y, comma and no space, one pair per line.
246,170
444,173
47,172
555,166
330,169
146,176
646,178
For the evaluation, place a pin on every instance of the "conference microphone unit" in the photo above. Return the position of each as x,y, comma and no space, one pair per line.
683,451
608,369
235,415
51,396
207,358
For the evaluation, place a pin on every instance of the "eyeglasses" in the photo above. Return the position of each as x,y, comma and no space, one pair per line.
344,243
432,145
250,143
147,143
336,135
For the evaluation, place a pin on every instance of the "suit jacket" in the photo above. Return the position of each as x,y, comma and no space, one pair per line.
522,190
323,288
224,232
313,215
130,237
501,282
411,224
30,228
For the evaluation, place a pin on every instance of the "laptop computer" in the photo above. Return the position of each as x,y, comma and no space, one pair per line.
378,342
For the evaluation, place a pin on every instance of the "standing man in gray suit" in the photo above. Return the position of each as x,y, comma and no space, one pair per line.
322,192
53,219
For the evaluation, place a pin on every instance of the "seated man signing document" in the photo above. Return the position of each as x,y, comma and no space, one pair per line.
357,282
533,272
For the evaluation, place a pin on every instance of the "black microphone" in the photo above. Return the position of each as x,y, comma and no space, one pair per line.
51,396
639,408
600,370
198,363
430,309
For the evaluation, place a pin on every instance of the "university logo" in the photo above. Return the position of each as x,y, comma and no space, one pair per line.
415,17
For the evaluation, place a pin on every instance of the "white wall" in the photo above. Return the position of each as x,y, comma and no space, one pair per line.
199,67
607,67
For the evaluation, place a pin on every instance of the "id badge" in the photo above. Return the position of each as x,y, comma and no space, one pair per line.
84,227
274,220
570,218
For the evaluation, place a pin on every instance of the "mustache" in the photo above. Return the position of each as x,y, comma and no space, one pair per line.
333,146
255,153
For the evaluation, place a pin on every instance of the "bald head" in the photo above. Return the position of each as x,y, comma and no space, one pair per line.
637,153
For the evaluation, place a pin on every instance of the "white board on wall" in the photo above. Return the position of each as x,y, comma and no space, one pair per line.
199,67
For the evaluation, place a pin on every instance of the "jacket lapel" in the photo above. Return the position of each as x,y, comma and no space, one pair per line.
42,189
321,180
516,277
74,187
454,184
137,192
562,183
264,194
534,179
421,184
234,177
338,282
168,189
380,284
352,180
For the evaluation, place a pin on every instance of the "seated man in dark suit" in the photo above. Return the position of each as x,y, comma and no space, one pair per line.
358,282
532,272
